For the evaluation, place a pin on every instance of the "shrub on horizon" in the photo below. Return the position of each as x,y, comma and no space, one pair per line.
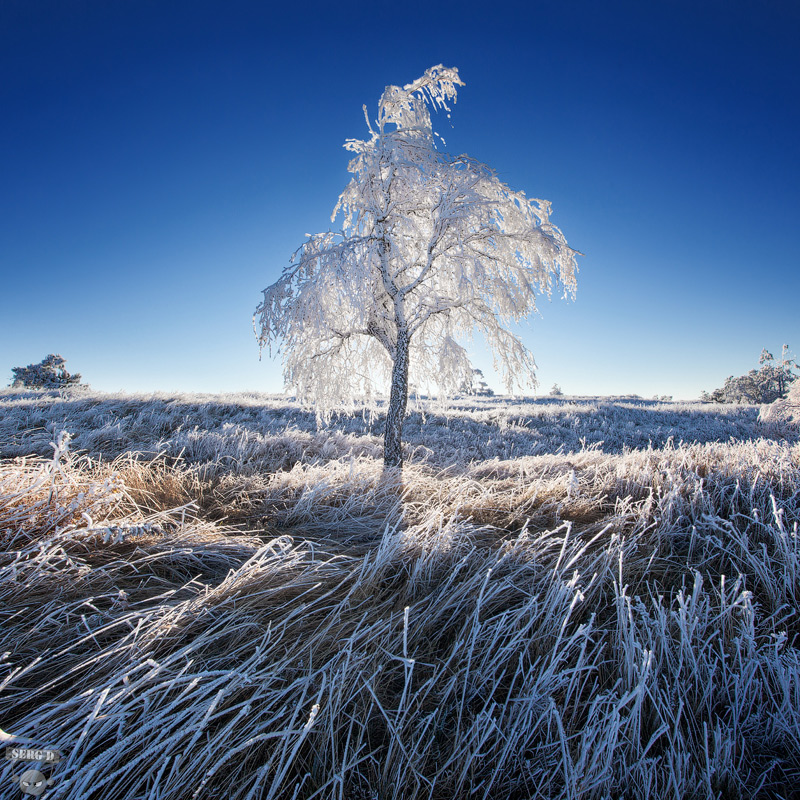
767,384
49,373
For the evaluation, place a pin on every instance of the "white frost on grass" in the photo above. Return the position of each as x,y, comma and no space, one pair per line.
259,432
571,623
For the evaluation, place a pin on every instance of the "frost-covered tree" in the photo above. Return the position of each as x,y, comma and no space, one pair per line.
778,374
49,373
770,382
476,385
432,246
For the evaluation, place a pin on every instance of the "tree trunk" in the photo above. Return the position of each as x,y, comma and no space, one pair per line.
398,400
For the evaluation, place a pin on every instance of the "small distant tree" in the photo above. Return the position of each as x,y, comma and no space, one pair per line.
777,375
476,385
717,396
431,247
49,373
556,391
770,382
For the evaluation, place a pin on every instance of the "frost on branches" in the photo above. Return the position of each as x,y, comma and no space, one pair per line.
431,247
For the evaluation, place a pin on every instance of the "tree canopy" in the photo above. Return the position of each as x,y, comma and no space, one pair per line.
431,247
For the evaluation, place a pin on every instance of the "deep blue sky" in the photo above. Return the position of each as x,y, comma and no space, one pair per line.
160,161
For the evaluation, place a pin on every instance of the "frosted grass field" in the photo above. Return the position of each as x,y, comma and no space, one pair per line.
213,597
256,429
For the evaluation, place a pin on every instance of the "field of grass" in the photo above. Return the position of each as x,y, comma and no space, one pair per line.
217,597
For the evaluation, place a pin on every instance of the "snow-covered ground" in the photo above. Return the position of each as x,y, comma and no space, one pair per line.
563,598
271,432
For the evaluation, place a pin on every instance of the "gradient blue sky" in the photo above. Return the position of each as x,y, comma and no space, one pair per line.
161,160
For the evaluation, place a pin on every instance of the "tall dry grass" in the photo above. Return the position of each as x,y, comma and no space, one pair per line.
569,625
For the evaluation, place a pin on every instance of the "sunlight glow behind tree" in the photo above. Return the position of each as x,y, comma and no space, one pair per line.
432,246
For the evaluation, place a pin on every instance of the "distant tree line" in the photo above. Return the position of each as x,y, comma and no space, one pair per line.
766,384
49,373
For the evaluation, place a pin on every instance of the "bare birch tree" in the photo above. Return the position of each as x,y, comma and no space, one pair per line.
431,247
